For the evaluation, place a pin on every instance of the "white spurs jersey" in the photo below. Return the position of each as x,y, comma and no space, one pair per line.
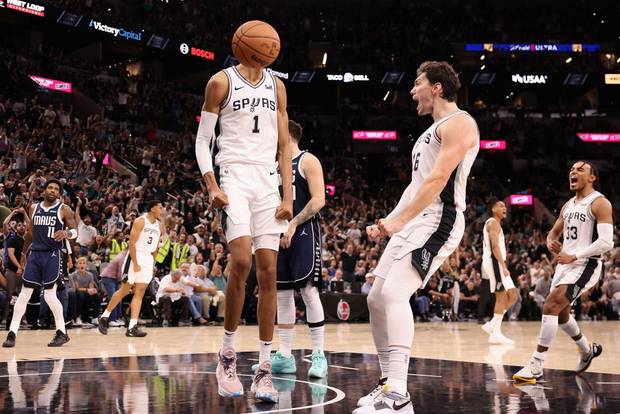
487,248
579,224
248,121
149,236
423,156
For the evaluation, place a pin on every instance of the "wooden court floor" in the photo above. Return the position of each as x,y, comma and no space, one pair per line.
461,341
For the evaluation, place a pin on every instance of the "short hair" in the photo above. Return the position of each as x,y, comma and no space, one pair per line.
491,203
593,171
176,272
53,181
151,203
295,130
82,259
442,72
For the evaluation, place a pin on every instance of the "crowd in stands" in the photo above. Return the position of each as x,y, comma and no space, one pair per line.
192,260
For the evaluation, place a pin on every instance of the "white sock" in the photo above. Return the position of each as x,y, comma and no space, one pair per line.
384,360
496,322
286,341
548,330
132,323
229,340
265,351
540,355
20,308
317,334
583,344
56,307
397,385
105,314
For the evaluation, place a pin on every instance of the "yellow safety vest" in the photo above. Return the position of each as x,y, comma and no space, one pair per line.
164,248
181,253
116,248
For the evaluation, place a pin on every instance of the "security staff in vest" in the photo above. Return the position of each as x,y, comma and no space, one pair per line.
117,244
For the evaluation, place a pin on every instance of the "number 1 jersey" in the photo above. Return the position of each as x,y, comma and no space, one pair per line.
248,121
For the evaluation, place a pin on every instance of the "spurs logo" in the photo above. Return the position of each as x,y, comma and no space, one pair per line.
426,259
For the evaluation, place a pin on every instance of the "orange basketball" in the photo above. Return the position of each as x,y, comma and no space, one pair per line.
256,44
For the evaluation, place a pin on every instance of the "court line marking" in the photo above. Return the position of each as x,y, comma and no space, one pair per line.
425,375
305,359
608,382
340,395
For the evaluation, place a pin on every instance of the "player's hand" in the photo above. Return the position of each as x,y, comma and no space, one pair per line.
388,227
20,270
285,210
217,198
60,235
373,232
136,267
565,258
285,241
554,246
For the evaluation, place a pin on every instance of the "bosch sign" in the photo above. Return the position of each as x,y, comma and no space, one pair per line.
116,32
25,7
205,54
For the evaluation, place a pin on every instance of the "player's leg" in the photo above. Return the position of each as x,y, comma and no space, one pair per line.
266,259
240,265
19,309
55,306
315,318
115,299
136,304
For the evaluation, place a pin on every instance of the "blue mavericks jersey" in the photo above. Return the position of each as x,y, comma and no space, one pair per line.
301,191
46,222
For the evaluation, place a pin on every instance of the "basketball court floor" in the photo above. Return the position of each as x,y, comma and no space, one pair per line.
453,370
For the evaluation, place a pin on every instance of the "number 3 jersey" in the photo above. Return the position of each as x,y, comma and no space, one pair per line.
248,121
149,236
579,224
423,156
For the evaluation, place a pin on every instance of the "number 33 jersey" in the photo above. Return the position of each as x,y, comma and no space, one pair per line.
579,224
248,121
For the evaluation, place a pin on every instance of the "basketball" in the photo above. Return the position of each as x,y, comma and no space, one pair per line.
256,44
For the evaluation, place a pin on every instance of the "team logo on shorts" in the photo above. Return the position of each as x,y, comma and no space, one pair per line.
426,259
344,310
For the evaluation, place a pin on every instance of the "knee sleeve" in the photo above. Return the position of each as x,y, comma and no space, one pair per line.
570,327
286,307
314,308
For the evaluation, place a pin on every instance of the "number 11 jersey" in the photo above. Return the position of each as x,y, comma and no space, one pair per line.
248,121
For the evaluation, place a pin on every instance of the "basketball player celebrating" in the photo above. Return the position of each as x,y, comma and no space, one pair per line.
144,237
495,270
52,223
251,106
586,225
425,228
299,261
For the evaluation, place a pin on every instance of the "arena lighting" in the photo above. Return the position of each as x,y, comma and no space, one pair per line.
533,47
324,58
569,60
374,135
330,189
493,145
54,85
521,200
599,136
304,76
612,79
24,7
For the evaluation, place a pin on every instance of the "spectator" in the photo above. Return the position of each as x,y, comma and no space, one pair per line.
370,279
13,263
191,287
171,298
469,300
541,290
86,232
218,277
111,278
211,296
118,243
86,292
180,252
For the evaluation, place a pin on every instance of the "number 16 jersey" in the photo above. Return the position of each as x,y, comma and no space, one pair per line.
248,121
